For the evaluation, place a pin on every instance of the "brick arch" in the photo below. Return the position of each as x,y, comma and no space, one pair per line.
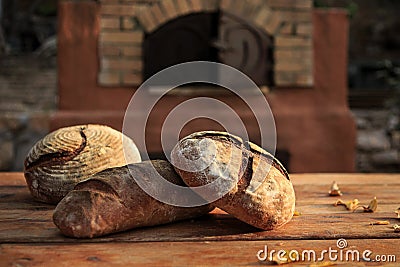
124,24
255,11
290,24
152,17
258,12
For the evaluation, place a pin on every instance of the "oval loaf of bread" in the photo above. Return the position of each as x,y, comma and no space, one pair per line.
248,182
111,201
60,160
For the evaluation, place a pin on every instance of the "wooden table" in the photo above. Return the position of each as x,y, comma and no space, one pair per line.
29,238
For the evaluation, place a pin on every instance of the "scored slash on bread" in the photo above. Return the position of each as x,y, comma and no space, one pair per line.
241,178
60,160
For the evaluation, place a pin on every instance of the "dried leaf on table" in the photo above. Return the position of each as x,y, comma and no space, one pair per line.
350,205
373,205
296,213
335,191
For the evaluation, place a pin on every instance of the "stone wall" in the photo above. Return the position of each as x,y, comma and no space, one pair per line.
27,98
378,142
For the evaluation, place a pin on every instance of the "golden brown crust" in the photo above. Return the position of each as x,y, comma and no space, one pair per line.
111,201
60,160
260,194
246,146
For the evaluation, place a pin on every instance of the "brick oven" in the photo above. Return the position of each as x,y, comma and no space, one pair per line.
297,55
244,34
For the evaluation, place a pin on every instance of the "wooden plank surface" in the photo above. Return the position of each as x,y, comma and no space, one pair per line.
23,220
229,253
29,238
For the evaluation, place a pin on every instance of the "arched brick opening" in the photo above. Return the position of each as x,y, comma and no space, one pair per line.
125,25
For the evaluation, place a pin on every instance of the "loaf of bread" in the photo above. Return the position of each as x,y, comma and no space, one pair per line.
244,180
60,160
111,201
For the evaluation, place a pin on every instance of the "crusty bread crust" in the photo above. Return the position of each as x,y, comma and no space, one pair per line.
259,191
111,201
69,155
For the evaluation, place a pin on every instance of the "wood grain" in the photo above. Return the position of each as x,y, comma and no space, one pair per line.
17,228
29,237
184,253
12,178
24,220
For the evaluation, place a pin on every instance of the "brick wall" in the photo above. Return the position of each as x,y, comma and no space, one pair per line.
124,24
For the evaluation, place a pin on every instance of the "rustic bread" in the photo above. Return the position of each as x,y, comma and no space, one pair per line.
111,201
60,160
249,183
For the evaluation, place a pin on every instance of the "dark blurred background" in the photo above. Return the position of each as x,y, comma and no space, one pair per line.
28,78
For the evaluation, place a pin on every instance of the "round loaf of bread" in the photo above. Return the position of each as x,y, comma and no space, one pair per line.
60,160
244,180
